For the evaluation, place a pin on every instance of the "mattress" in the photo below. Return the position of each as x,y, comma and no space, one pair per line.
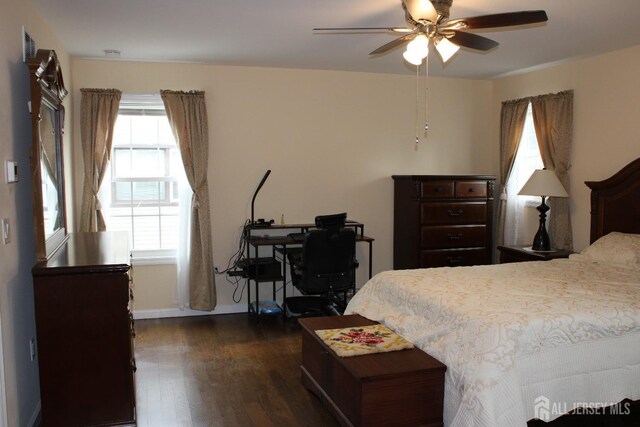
521,340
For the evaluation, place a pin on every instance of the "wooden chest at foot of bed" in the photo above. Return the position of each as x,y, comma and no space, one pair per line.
398,388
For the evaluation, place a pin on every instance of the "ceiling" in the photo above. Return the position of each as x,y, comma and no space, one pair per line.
278,33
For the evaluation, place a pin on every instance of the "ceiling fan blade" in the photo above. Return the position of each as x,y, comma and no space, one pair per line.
393,43
421,10
472,41
389,29
498,20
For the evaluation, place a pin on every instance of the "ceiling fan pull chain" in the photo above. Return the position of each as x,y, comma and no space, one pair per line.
417,115
426,98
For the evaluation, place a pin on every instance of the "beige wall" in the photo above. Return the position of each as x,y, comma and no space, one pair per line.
605,138
17,257
149,297
331,139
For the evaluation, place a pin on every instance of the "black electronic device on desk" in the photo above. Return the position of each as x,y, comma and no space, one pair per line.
261,222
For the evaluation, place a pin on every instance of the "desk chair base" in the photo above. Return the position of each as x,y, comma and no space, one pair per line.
309,306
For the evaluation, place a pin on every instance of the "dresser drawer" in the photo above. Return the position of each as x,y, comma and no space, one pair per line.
471,189
437,189
454,213
455,236
454,257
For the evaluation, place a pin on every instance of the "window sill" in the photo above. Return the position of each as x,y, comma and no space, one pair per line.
153,260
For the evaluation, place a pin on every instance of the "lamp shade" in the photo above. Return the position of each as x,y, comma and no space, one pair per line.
543,182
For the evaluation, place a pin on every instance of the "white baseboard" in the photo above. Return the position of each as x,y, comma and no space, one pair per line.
176,312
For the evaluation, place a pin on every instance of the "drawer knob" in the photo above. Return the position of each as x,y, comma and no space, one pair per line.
454,236
471,190
454,213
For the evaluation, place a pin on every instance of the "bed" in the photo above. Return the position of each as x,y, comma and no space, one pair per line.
530,340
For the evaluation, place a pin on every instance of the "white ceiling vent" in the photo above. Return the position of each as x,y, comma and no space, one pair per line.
111,53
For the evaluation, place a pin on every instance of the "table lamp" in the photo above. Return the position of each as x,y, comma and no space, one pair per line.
544,183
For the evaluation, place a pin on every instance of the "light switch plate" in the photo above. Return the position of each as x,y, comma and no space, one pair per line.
6,236
12,171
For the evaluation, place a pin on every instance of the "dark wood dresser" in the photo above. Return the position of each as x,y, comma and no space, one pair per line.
85,332
398,388
442,220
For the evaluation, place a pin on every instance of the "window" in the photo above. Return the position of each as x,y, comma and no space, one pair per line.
528,157
527,160
145,173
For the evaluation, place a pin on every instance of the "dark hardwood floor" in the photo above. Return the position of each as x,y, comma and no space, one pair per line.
224,370
228,370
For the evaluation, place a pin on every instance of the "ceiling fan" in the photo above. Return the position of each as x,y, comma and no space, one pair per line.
428,20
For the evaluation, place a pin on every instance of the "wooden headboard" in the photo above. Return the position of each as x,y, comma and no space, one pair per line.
615,202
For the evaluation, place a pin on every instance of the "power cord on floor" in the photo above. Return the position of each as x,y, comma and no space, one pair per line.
233,263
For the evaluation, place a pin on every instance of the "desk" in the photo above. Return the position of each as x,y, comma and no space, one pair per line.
279,245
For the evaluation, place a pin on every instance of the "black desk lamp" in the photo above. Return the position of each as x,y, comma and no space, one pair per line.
543,183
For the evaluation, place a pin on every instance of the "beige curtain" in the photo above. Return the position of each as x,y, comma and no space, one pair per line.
553,121
98,114
187,114
512,118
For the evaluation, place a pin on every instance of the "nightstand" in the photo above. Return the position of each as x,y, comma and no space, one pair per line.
524,253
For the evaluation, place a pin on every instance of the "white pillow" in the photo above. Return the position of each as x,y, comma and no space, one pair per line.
615,248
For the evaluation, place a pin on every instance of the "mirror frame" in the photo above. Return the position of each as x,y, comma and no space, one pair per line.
48,91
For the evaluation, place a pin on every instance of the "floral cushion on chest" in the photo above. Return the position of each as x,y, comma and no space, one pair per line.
359,340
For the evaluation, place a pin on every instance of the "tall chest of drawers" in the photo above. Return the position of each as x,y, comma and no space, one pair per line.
442,220
85,332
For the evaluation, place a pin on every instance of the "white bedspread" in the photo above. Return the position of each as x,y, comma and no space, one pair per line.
567,330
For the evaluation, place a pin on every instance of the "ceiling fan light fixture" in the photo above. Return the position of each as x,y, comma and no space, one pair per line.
419,46
445,48
417,50
412,57
421,10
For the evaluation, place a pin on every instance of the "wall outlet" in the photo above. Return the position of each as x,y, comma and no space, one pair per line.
32,348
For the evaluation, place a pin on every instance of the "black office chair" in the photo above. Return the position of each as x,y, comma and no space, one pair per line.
325,267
